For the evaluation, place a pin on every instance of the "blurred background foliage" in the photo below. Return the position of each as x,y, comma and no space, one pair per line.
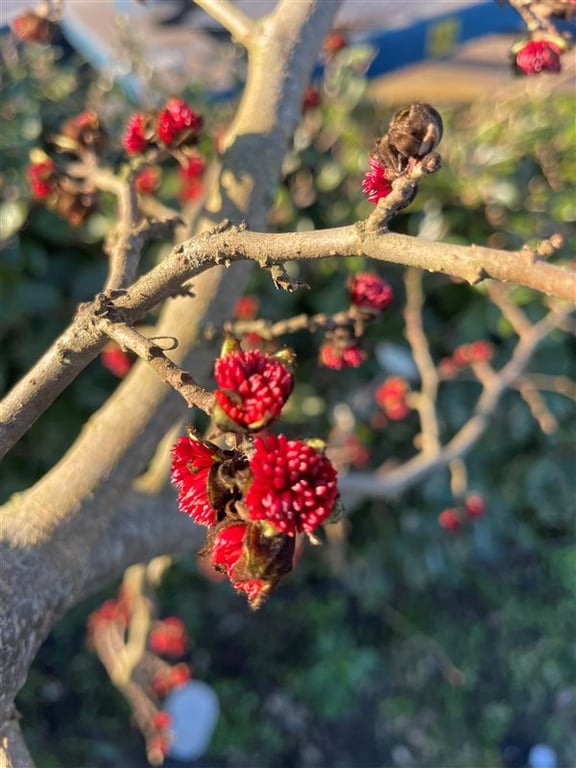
399,644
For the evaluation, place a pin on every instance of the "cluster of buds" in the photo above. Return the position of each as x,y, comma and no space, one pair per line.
453,518
392,397
369,294
84,138
175,125
539,54
466,355
169,638
254,499
412,135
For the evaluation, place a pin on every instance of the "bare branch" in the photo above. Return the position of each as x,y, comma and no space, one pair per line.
240,25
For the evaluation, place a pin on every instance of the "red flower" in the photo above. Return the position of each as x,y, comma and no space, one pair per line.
169,638
134,141
367,289
294,485
191,178
450,520
147,180
333,43
474,505
32,28
192,460
246,308
253,389
227,547
336,357
376,184
391,397
167,679
480,351
161,721
116,360
177,121
42,178
535,56
311,98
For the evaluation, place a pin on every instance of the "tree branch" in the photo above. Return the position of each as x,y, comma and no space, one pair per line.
240,26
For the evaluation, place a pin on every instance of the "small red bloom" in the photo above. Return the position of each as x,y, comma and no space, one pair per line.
177,121
147,180
191,178
535,56
450,520
391,397
367,289
336,357
116,360
192,460
161,720
311,98
169,638
246,308
42,178
474,505
334,42
134,141
480,351
167,679
376,184
227,547
253,389
32,28
294,485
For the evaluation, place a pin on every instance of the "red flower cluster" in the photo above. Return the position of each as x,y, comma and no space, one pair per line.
294,485
336,356
42,177
465,355
453,518
253,506
370,291
113,610
391,397
174,125
334,42
169,638
246,308
534,56
254,388
376,183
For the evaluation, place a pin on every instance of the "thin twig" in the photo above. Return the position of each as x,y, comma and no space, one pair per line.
239,24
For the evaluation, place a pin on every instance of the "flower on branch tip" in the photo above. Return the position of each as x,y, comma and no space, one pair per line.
134,139
168,678
294,485
335,356
370,291
474,505
147,180
161,720
534,56
116,360
169,638
253,387
177,122
450,519
42,178
391,397
192,461
376,183
33,28
246,308
191,174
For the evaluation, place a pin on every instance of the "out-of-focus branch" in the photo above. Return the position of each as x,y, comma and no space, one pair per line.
391,484
13,750
425,400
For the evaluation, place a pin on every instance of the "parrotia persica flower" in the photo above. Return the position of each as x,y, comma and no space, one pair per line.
294,485
534,56
192,460
177,121
253,388
134,139
33,28
370,291
42,178
336,356
376,183
169,638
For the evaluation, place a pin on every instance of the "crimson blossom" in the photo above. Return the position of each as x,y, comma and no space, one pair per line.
335,356
42,178
134,141
253,390
376,183
370,291
192,460
177,121
535,56
294,485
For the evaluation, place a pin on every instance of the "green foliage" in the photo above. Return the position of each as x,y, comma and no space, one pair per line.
417,647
